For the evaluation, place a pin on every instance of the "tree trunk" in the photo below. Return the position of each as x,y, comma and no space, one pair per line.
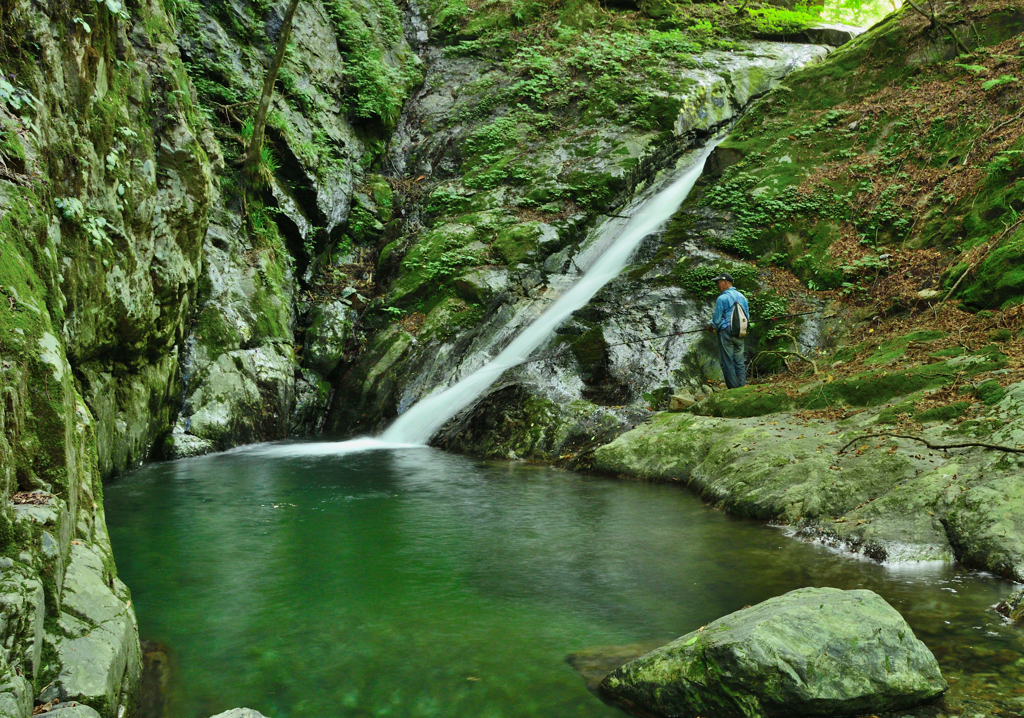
252,155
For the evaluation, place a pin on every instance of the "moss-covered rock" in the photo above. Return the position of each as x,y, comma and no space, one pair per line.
812,651
869,388
883,497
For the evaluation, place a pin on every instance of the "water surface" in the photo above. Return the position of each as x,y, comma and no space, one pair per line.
409,582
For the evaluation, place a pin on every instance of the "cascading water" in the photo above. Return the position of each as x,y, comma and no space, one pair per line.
425,418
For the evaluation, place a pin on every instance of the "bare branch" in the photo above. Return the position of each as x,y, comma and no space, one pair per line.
252,156
938,447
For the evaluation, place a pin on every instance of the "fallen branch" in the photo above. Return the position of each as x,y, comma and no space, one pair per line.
795,353
930,445
1009,121
983,252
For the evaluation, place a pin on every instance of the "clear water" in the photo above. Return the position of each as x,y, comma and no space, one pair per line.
409,582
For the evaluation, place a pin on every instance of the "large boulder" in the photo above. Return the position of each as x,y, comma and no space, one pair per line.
813,651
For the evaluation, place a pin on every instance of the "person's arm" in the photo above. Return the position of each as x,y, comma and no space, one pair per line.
720,308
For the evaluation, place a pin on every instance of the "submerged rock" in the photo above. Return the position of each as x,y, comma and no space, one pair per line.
1012,607
596,662
813,651
240,713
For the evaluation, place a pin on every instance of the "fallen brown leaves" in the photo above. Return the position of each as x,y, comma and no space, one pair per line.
413,322
34,498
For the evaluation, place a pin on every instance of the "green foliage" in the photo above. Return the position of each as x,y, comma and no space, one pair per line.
778,21
754,214
1002,163
264,228
976,69
71,208
447,201
697,280
116,7
1000,82
450,15
860,13
184,12
16,98
377,88
450,263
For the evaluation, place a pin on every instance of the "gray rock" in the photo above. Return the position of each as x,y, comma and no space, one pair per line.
15,693
98,648
326,336
813,651
22,611
312,399
240,713
681,400
834,34
72,710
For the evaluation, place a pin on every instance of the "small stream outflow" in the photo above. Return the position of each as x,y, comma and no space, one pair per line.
426,417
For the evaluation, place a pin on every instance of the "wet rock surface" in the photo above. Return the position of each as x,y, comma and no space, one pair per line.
240,713
893,504
809,652
595,663
603,372
1013,607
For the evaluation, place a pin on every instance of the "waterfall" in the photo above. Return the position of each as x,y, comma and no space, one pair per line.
426,417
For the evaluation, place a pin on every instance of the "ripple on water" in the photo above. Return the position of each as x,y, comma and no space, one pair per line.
354,579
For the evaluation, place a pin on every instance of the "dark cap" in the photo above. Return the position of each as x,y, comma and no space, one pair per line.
723,277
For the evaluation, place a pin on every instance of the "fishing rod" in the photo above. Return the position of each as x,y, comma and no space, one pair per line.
558,353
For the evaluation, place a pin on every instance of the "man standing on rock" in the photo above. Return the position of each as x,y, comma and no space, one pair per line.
730,337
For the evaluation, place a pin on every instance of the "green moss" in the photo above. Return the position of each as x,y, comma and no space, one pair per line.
944,413
869,388
849,353
990,392
215,332
891,414
513,244
590,350
950,352
745,402
383,195
893,349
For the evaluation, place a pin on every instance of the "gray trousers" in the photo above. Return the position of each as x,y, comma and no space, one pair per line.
730,356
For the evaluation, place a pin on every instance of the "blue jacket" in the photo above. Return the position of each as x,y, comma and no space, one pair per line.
723,308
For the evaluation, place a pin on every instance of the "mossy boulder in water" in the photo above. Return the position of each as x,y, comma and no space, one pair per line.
813,651
1013,607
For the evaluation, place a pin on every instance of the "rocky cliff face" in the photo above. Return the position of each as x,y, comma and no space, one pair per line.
340,89
105,193
149,303
155,305
514,170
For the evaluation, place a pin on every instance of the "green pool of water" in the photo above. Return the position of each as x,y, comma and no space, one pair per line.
415,583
